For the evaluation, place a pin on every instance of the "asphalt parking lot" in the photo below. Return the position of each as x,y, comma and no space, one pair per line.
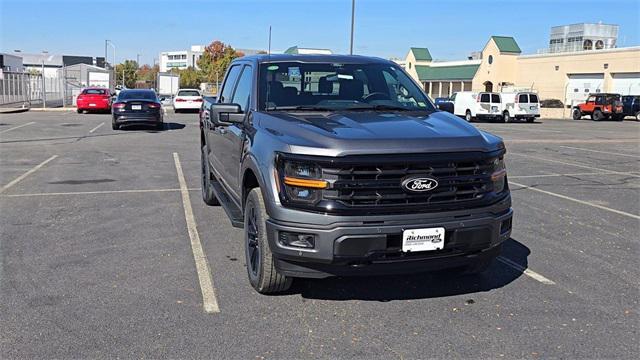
96,259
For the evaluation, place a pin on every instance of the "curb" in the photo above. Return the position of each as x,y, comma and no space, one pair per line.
54,109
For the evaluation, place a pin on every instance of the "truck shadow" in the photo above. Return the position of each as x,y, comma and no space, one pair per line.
168,126
417,286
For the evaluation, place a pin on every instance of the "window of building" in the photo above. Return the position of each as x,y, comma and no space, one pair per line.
490,59
587,45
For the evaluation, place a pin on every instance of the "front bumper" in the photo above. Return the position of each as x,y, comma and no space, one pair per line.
363,247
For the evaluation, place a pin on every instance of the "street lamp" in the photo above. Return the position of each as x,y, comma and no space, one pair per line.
109,42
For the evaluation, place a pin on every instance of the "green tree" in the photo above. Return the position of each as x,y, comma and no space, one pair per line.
128,69
189,78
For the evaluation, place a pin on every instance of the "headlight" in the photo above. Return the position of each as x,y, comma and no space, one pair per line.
302,182
499,175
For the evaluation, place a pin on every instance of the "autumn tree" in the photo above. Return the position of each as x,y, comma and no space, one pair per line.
216,58
189,78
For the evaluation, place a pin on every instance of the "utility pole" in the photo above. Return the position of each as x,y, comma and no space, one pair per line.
353,15
138,60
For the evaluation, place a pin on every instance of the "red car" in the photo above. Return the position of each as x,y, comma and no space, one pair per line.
600,106
94,99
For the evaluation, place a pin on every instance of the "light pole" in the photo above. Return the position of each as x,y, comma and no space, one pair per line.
138,60
109,42
353,15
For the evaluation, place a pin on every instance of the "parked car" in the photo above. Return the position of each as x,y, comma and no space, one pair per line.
444,104
631,106
204,113
94,99
483,105
520,105
187,99
137,107
551,103
331,175
600,106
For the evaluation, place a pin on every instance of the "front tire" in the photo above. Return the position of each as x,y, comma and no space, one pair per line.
468,117
577,114
505,117
263,275
208,196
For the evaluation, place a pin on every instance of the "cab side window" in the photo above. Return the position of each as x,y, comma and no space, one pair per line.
243,90
229,84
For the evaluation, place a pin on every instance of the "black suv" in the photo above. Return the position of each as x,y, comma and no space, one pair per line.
341,165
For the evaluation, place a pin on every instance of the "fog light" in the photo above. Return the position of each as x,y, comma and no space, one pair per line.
307,241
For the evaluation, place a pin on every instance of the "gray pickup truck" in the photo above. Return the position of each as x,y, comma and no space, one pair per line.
341,165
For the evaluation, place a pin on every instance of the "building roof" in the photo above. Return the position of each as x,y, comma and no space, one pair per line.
507,44
421,54
454,72
301,50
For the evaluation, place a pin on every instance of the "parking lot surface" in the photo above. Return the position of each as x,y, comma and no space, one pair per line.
97,256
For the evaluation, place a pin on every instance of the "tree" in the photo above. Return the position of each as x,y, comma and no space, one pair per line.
130,71
189,78
148,73
215,60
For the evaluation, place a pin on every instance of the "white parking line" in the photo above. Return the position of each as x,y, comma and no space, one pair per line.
600,151
19,178
202,265
577,165
17,127
576,200
96,128
559,175
530,273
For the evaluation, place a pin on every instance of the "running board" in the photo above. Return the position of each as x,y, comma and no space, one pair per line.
233,212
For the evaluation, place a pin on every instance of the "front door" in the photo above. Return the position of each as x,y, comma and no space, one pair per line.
216,132
232,143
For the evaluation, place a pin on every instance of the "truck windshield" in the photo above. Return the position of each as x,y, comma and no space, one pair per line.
331,86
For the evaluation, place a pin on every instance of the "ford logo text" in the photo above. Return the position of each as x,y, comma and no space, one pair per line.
420,184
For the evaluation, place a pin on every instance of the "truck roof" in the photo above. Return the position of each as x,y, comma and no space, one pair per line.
314,58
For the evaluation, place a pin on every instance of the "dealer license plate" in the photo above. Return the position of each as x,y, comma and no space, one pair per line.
92,104
423,239
136,107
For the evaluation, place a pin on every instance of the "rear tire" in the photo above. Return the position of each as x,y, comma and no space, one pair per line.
597,115
638,116
80,111
505,117
115,126
577,114
208,196
618,117
531,119
263,275
468,117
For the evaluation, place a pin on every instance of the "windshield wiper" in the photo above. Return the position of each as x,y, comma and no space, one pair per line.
383,107
299,107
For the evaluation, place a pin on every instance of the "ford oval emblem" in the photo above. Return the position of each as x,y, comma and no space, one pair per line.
420,184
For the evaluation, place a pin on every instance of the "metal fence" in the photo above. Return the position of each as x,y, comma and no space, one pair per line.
25,90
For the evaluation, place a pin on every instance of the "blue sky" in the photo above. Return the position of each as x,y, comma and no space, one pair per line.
450,29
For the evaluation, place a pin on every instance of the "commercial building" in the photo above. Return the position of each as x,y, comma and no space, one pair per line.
181,59
48,64
10,62
568,76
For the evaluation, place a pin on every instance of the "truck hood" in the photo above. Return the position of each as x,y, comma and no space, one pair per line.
343,133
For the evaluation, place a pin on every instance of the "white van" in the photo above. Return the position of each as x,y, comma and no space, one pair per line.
520,105
472,105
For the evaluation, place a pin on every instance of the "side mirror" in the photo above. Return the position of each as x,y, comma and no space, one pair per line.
224,114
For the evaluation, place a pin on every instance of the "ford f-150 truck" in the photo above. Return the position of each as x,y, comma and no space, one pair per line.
341,165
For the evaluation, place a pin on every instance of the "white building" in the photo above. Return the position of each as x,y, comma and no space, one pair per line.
181,59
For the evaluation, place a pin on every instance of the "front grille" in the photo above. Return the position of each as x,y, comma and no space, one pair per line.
372,184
